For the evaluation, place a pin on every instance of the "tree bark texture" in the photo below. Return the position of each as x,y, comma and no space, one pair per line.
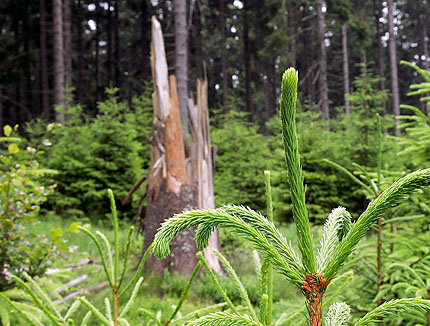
109,44
393,66
117,47
44,62
144,40
80,49
223,56
308,37
377,13
322,63
58,58
169,190
345,68
181,55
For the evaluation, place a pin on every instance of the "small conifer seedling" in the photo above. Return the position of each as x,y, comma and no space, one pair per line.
314,269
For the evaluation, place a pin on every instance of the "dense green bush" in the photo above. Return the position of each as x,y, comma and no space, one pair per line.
92,154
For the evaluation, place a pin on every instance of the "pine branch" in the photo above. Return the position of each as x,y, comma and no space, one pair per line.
337,314
390,197
394,306
330,237
208,220
224,319
295,173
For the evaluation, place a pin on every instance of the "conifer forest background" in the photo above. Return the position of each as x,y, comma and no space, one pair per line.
288,140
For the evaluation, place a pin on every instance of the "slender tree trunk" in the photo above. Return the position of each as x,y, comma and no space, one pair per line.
97,58
423,50
345,68
247,61
310,86
44,62
181,56
393,66
144,38
377,13
322,63
109,44
197,18
58,58
292,34
223,56
67,35
117,48
80,50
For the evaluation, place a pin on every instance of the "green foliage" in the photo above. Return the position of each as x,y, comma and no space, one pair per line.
91,155
242,153
266,238
21,194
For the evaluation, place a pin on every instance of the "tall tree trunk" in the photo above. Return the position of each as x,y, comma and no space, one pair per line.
322,63
423,50
181,56
292,34
393,66
117,49
197,18
97,58
80,50
345,68
109,44
308,49
67,35
58,58
44,62
145,30
169,189
377,13
247,61
223,56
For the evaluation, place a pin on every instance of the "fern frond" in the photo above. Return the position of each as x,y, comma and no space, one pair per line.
4,316
337,314
96,312
394,306
30,319
224,319
390,197
330,238
295,173
219,217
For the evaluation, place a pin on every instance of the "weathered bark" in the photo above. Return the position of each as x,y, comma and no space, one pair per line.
223,56
292,34
58,58
181,56
393,66
247,61
197,18
204,170
169,190
67,45
322,63
345,68
377,13
44,62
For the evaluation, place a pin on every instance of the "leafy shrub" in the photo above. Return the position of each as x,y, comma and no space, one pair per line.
21,195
